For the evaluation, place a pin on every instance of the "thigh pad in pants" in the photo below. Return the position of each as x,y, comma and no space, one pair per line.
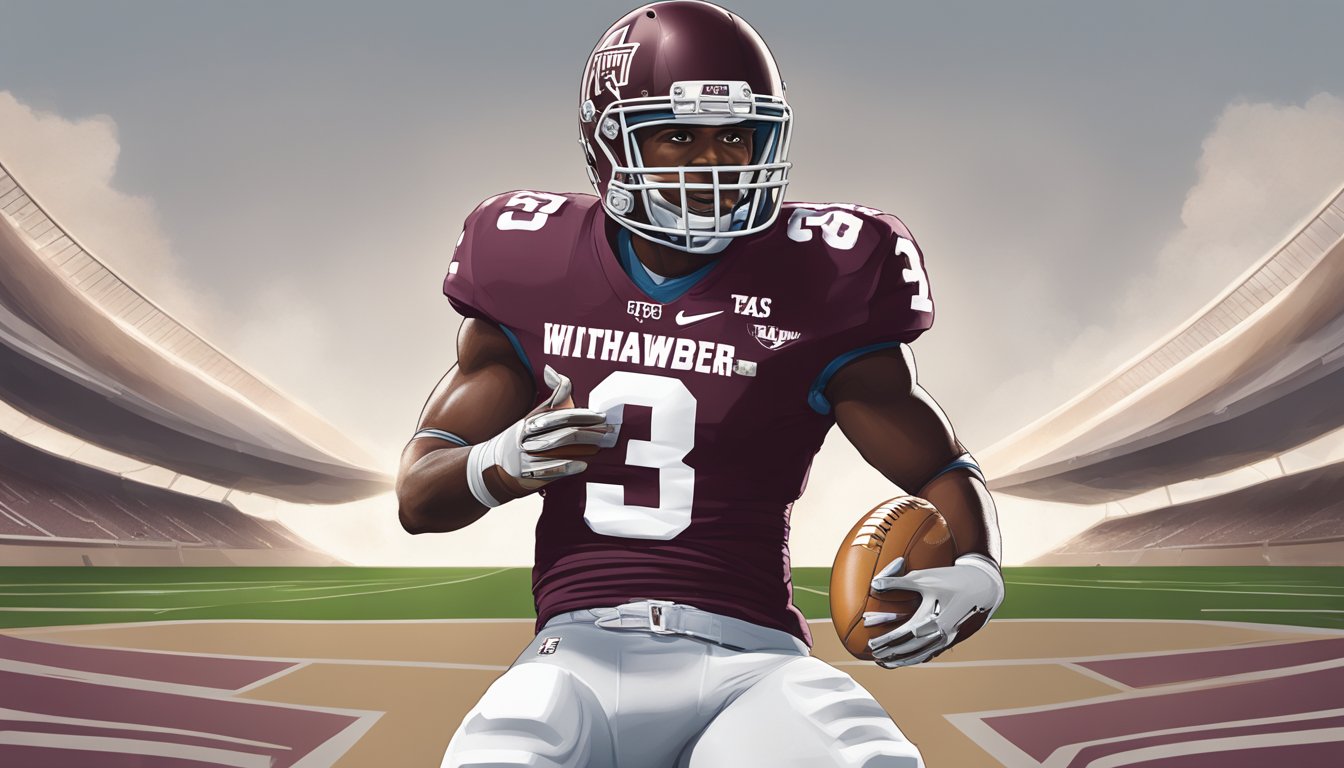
534,715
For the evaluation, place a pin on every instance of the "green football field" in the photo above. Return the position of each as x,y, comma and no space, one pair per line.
32,596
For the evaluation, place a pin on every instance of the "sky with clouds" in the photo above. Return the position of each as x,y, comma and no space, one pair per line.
289,180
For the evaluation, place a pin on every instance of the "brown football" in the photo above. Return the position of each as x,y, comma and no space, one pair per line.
906,526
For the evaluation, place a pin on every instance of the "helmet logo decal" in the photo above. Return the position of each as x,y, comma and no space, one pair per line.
610,66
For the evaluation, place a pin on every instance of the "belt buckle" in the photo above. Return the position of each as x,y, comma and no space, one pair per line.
657,610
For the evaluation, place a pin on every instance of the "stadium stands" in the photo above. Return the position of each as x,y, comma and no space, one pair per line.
1296,519
1254,374
57,507
86,353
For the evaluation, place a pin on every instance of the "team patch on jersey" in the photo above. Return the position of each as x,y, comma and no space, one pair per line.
548,646
752,306
644,310
647,349
773,337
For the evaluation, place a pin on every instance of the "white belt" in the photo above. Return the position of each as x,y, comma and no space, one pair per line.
667,617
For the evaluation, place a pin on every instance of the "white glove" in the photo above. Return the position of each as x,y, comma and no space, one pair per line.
972,585
540,447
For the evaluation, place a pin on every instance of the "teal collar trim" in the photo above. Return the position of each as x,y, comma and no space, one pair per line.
671,289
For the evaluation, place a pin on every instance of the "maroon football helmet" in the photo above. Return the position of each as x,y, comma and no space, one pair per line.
684,62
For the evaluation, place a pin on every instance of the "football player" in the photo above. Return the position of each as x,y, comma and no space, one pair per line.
661,362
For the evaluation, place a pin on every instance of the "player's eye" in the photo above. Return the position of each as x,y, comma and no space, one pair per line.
679,137
735,136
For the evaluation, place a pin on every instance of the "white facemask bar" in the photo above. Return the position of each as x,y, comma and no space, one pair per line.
755,181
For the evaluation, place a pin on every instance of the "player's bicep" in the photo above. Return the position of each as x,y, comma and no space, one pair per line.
895,425
484,393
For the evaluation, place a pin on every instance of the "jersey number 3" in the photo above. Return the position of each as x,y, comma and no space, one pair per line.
671,437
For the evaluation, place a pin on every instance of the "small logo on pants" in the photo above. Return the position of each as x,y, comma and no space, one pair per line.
548,646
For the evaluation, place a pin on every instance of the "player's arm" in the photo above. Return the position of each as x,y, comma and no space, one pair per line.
898,429
484,393
477,445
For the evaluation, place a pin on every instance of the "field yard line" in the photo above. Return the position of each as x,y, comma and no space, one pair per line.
272,678
303,660
116,592
397,589
1155,691
73,642
1008,754
229,696
132,583
103,678
1214,583
1064,755
334,586
1255,625
1166,589
193,753
1070,660
88,610
1270,610
42,717
23,631
1100,678
334,748
1134,581
324,755
372,591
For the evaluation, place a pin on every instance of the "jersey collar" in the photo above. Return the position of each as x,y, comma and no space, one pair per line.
671,289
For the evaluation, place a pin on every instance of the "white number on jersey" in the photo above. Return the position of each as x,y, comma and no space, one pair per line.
671,437
840,229
535,207
915,274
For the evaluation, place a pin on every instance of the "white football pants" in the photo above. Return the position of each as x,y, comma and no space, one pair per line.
583,695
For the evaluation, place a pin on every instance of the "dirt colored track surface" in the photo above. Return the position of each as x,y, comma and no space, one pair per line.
375,694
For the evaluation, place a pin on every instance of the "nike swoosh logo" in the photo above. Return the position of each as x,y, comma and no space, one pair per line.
685,319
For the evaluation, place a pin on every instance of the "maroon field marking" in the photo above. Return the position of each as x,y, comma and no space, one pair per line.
113,731
206,671
1088,754
1323,755
1141,672
1040,733
300,730
48,757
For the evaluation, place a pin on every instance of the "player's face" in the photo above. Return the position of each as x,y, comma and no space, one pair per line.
690,145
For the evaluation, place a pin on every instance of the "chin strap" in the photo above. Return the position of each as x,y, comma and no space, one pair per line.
663,213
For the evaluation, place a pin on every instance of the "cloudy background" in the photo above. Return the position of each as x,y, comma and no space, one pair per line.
289,179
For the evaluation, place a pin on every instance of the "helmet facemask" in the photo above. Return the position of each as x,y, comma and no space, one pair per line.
668,218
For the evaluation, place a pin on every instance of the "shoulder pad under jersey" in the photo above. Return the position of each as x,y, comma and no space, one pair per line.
877,293
512,245
880,289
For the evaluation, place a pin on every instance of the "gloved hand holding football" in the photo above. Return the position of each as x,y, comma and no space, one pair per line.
905,528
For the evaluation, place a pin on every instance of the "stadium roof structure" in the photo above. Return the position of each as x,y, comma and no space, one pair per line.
1258,371
88,354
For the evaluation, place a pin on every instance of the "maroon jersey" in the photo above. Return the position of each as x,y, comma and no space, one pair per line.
716,380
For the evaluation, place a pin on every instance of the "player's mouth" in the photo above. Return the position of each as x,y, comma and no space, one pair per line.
700,203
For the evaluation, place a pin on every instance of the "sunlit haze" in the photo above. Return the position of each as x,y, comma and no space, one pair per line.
289,181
